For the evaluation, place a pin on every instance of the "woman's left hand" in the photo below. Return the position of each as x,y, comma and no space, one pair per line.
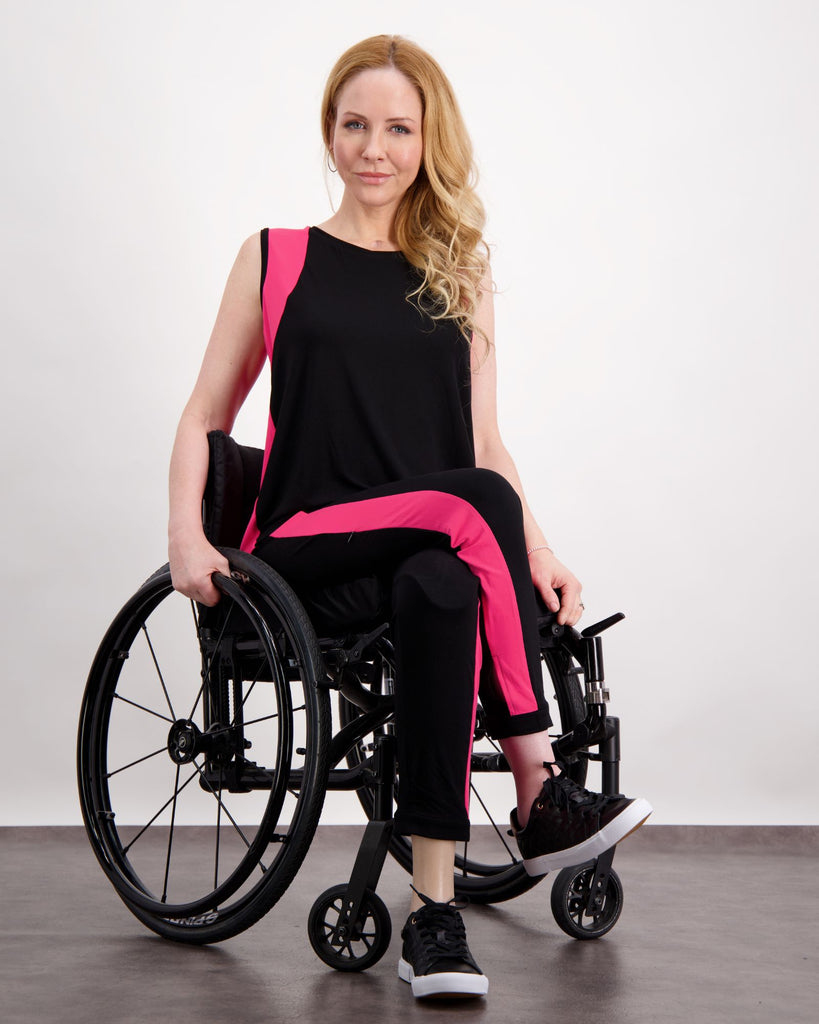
548,575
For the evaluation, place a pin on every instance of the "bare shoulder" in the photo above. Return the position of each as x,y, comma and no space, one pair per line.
244,275
250,252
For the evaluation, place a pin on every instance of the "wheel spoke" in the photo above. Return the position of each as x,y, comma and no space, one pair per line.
139,760
492,822
133,703
206,675
264,718
264,663
170,800
218,798
170,840
218,832
244,699
159,671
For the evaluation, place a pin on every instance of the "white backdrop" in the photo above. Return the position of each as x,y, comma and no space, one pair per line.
649,169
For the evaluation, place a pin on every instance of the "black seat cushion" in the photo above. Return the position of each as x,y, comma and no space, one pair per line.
354,605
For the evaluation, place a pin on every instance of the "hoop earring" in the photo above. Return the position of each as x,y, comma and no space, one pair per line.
330,168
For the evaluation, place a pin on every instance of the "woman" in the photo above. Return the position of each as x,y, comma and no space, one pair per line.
384,460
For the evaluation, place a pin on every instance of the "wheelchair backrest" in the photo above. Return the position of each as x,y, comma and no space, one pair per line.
234,478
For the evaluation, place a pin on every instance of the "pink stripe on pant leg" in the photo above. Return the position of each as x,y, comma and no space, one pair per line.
476,545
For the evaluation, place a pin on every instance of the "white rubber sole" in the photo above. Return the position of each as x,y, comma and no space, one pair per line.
618,828
443,985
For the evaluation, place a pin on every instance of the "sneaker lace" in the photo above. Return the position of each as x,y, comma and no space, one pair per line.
442,930
568,794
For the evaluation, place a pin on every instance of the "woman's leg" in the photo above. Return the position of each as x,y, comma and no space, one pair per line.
526,756
436,637
435,607
433,870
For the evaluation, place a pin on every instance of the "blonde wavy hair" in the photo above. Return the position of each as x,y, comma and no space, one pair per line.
439,222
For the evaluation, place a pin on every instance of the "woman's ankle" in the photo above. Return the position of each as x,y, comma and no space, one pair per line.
433,870
529,788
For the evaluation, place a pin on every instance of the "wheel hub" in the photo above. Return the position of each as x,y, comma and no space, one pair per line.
184,741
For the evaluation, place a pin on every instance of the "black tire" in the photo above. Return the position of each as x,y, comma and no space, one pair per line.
351,948
570,893
199,840
490,871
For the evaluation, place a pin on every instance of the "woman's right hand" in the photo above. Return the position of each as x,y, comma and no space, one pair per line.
193,561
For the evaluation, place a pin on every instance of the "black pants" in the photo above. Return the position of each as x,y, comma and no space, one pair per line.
448,552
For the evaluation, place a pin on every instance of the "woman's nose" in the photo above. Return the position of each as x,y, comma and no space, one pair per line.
373,147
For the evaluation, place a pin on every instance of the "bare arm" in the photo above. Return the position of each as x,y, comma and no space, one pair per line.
232,362
548,573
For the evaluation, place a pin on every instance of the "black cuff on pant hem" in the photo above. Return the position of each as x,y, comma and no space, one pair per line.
411,825
518,725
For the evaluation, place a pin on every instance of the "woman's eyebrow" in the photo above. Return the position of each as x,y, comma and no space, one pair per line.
361,117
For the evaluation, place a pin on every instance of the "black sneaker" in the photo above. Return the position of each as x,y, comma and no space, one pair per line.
435,958
568,825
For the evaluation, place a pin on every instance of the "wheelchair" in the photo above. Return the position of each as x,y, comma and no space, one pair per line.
207,742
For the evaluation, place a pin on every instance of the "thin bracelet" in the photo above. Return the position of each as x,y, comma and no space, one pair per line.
538,547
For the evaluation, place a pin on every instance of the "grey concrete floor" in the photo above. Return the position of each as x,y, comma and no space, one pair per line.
718,926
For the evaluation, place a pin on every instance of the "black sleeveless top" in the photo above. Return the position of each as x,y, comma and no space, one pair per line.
365,388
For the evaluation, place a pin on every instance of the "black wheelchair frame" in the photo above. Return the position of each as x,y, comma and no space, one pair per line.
164,737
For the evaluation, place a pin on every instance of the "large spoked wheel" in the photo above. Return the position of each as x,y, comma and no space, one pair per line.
346,945
489,868
570,902
202,751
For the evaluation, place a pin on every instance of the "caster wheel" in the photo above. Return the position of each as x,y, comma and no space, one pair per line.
570,893
348,947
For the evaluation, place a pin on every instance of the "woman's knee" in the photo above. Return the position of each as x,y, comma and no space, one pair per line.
436,578
492,494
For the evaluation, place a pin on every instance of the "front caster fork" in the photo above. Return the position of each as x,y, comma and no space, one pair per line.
599,883
357,907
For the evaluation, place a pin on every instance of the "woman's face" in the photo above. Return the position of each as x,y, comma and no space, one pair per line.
377,142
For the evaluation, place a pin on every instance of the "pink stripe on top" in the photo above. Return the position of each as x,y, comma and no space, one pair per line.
475,544
286,253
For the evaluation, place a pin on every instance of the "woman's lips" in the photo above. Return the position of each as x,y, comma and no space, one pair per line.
370,178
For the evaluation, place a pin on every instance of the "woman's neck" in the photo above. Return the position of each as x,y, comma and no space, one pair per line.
371,229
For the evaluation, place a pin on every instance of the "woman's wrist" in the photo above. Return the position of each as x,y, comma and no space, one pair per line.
184,530
538,547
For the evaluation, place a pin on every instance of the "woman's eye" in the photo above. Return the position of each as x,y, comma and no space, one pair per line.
354,124
401,129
